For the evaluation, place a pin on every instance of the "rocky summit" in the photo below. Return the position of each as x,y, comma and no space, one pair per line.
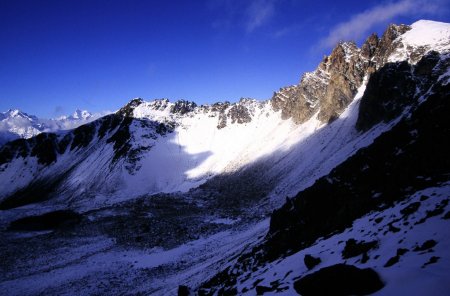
345,173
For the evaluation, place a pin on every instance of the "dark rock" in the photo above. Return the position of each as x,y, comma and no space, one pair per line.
339,280
64,143
425,246
13,149
47,221
184,290
364,258
182,107
432,260
383,100
164,129
354,248
378,220
446,216
239,114
108,123
222,121
128,109
410,209
392,261
260,290
401,251
45,148
221,108
310,261
228,292
121,138
370,46
392,228
424,198
83,135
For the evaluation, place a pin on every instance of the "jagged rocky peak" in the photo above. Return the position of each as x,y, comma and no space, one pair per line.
387,44
346,71
331,87
16,113
241,112
370,46
183,106
128,109
159,104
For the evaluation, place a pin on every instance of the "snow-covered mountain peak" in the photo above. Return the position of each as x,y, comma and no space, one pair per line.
16,113
81,115
430,33
15,124
424,36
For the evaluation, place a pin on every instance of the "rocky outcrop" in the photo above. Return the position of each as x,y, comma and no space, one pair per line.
182,107
310,261
387,44
339,279
333,85
128,109
397,85
239,113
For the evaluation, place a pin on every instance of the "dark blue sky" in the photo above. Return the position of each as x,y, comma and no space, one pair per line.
56,56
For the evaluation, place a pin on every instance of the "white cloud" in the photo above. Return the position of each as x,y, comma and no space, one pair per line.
248,15
259,13
360,24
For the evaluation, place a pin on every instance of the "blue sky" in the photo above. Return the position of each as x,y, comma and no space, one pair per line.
56,56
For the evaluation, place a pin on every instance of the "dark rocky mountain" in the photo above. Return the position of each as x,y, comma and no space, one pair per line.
333,85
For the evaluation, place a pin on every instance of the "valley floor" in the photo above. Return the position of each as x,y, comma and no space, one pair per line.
91,259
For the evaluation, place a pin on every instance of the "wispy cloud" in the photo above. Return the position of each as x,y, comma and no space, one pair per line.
248,15
360,24
259,13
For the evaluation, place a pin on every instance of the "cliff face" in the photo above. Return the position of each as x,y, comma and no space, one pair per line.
332,86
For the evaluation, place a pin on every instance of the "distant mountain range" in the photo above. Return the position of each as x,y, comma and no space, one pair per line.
15,124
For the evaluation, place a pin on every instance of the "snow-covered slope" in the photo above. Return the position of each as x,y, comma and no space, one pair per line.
195,151
410,250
